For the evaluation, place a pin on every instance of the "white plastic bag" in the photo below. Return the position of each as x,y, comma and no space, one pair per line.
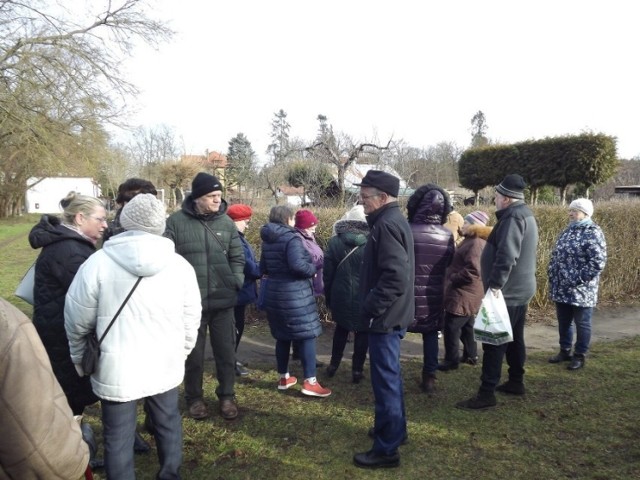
25,287
492,324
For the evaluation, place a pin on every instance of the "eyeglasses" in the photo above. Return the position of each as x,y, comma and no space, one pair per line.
364,197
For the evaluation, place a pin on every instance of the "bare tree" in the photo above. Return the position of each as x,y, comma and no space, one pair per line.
60,82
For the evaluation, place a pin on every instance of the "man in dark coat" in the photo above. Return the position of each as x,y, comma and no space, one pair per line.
387,303
209,240
508,268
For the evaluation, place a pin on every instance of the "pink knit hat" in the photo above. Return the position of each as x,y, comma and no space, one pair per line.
305,219
478,217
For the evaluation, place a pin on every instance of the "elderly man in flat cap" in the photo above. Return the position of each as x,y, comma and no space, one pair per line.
508,268
204,234
387,309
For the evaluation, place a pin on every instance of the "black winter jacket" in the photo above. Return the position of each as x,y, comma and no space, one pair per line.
219,261
63,251
342,278
434,248
290,305
387,274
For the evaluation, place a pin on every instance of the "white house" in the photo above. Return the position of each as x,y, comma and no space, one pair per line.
45,195
356,172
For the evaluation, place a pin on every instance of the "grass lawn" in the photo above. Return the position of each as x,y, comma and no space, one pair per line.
570,425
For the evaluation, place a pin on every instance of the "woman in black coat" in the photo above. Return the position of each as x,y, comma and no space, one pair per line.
434,247
66,243
289,302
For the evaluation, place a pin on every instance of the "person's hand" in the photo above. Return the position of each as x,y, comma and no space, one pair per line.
79,369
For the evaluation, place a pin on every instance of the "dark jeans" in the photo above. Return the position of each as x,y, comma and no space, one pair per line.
238,315
390,424
430,352
456,329
307,352
360,347
222,334
581,317
515,353
119,422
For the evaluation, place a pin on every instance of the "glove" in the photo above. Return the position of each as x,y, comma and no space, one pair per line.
79,369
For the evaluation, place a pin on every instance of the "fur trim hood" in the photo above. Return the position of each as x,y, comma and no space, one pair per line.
480,231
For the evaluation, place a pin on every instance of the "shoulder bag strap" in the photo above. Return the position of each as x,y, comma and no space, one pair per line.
347,256
119,310
224,250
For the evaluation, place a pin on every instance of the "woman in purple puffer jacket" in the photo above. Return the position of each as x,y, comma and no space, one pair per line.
434,247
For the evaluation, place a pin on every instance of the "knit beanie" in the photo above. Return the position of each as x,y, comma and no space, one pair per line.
478,217
512,186
144,213
305,219
239,211
204,183
356,213
584,205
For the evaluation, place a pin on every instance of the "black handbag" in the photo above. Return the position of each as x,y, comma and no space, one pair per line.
91,353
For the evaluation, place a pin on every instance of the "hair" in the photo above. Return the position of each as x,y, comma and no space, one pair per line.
281,214
75,203
132,187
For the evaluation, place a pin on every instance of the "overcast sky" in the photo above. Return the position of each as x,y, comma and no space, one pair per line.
413,70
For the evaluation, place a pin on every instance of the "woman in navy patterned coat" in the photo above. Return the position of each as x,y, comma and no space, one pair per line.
574,272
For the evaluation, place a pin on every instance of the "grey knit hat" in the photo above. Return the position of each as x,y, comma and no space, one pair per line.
144,213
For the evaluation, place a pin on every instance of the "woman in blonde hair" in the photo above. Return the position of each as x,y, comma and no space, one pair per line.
66,242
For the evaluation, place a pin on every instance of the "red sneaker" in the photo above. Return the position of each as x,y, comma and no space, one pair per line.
315,389
285,383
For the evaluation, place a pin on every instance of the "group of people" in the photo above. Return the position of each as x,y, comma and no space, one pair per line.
158,284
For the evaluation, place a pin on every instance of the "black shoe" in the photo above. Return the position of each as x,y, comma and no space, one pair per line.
428,384
372,459
357,376
241,370
331,370
577,362
319,364
371,433
140,445
511,388
481,401
447,365
470,360
562,356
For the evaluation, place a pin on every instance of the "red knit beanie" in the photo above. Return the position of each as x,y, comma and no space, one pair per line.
305,219
239,211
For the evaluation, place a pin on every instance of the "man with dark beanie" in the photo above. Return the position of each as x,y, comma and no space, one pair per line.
209,240
508,268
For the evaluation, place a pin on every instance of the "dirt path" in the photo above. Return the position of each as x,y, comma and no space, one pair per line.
609,324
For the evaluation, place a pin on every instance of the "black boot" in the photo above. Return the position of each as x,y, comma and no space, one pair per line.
447,365
428,384
481,401
577,362
562,356
357,376
511,387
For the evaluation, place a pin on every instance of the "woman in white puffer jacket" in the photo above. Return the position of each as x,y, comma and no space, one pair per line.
143,354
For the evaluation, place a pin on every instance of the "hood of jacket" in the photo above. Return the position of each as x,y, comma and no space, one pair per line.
50,230
271,232
352,232
429,204
480,231
142,254
189,207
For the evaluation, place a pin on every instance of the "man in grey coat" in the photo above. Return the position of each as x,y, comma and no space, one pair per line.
508,269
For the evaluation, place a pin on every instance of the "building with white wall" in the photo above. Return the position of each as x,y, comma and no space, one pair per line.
45,195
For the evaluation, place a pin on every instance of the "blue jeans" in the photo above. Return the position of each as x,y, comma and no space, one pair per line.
515,352
581,316
430,352
390,425
119,423
307,352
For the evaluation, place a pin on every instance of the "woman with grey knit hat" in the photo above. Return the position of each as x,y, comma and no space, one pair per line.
574,271
142,354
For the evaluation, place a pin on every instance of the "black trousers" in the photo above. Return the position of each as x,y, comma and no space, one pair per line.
360,347
458,329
